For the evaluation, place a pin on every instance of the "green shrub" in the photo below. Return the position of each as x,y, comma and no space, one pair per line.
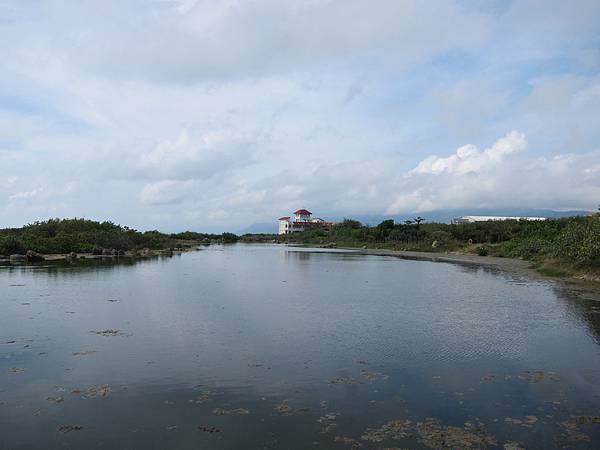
579,242
11,245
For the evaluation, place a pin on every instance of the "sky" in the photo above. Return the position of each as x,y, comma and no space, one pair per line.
213,115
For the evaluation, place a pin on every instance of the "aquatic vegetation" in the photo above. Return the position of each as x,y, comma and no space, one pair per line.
328,422
203,397
230,412
55,400
572,433
394,430
527,421
372,376
472,435
284,408
208,429
538,376
583,420
16,370
433,434
85,353
102,390
344,380
109,332
354,444
69,428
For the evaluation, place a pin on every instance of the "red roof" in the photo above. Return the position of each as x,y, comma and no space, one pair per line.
303,212
284,218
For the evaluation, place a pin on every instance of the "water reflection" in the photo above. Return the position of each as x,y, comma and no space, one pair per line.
267,347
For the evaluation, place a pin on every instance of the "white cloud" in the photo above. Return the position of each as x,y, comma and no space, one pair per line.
190,41
167,192
469,158
196,156
499,176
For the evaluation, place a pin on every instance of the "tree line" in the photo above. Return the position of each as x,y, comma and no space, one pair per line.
88,236
574,240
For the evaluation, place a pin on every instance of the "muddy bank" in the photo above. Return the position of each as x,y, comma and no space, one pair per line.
515,266
507,264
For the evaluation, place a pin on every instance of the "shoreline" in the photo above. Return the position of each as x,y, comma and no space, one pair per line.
511,265
40,258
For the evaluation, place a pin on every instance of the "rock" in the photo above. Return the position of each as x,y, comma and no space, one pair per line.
34,256
18,259
435,244
72,255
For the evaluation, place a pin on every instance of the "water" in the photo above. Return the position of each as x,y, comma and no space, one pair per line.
263,347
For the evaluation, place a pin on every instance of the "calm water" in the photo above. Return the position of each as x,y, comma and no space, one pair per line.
263,347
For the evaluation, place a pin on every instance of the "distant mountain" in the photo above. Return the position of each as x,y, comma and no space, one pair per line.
258,228
442,215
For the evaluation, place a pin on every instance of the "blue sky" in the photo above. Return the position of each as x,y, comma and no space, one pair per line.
204,115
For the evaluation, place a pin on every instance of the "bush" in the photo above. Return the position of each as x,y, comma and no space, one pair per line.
579,242
229,238
482,251
11,245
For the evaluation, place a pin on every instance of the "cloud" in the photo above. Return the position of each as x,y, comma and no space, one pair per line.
185,42
469,158
167,192
498,176
197,156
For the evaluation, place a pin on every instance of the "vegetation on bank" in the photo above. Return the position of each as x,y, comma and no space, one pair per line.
88,236
564,245
558,247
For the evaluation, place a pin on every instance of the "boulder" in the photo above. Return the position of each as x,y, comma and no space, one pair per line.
18,259
34,256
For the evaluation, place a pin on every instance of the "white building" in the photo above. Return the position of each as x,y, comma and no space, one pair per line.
302,220
472,219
